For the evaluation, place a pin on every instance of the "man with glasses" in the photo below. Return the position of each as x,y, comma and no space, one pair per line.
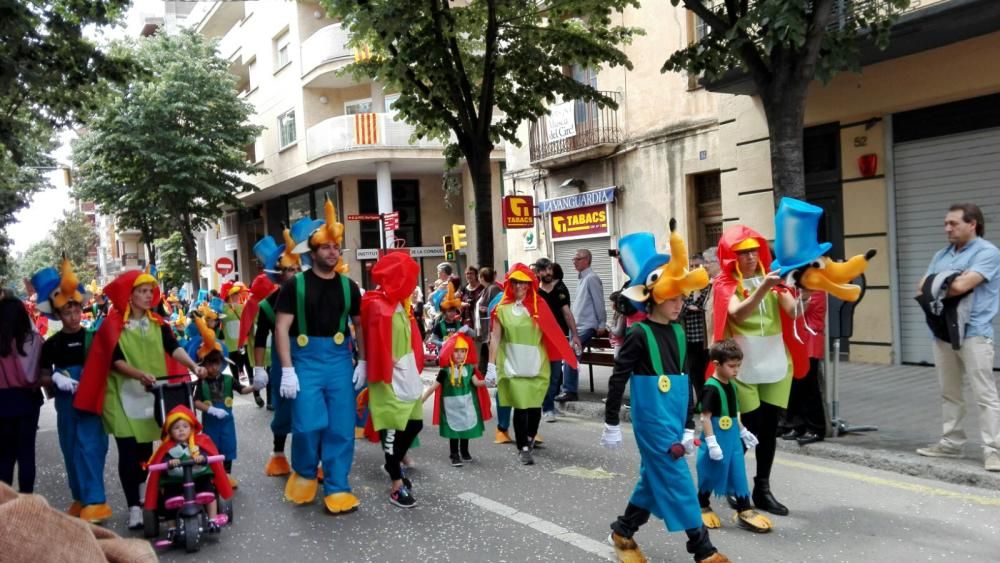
591,318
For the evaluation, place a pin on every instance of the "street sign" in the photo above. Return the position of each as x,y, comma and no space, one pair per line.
363,217
224,265
391,220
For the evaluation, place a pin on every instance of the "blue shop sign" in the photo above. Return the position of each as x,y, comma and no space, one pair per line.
585,199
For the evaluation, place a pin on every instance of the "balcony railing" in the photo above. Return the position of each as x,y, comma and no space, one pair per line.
361,131
593,127
327,44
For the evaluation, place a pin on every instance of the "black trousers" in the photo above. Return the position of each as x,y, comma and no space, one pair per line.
697,361
526,425
459,444
131,456
17,447
699,545
279,443
806,408
763,422
395,444
241,365
705,501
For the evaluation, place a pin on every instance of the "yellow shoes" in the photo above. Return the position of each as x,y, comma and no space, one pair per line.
300,490
710,519
75,509
502,437
95,513
277,466
233,482
359,433
753,521
338,503
627,550
715,558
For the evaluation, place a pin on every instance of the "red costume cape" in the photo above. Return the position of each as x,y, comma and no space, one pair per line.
556,345
207,447
396,276
94,380
725,285
260,289
444,360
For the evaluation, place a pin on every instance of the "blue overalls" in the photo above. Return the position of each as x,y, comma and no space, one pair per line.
659,409
222,431
83,442
727,476
281,422
323,413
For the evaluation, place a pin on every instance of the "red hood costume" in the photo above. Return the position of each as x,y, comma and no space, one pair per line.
94,380
396,276
444,360
260,289
556,345
198,441
729,280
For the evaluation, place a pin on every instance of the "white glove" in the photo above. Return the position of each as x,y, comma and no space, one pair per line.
289,383
217,412
259,378
360,375
749,440
64,382
491,374
714,451
688,441
611,438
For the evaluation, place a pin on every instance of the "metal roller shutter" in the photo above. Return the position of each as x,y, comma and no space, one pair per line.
601,264
930,175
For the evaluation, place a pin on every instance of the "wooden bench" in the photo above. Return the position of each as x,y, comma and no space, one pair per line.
597,352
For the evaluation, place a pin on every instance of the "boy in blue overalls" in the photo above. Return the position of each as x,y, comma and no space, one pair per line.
652,358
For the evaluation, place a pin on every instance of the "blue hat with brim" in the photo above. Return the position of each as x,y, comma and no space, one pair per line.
45,282
639,257
268,251
796,229
302,230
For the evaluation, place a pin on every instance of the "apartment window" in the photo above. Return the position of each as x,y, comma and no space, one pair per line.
585,112
298,207
358,106
253,79
281,51
390,103
286,129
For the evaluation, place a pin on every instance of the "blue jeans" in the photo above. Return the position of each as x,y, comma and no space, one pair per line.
555,378
571,377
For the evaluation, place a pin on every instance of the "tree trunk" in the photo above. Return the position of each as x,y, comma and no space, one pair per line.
785,120
191,256
482,182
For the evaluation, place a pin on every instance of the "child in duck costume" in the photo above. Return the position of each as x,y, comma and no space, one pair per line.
451,317
197,445
393,362
461,401
524,339
82,438
652,360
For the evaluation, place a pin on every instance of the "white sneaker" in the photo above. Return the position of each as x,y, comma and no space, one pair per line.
992,461
549,416
134,517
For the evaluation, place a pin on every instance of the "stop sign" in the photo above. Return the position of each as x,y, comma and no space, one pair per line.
224,266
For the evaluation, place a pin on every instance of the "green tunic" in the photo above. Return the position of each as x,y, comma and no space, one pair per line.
128,408
231,326
176,475
766,373
522,361
460,414
387,410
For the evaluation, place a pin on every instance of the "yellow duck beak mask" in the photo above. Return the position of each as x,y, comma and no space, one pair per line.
673,278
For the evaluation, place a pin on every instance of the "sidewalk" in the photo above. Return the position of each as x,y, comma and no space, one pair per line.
902,401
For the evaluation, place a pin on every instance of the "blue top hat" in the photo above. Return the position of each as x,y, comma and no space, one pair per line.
217,305
268,252
796,228
639,257
45,282
302,230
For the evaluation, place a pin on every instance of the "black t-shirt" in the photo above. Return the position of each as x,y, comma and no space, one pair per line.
324,304
63,350
265,326
633,360
556,300
711,402
443,329
169,344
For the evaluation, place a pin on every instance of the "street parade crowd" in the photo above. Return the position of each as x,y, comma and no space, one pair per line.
336,364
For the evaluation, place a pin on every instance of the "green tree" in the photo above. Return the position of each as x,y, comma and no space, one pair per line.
457,64
19,182
172,263
42,254
783,45
171,144
75,236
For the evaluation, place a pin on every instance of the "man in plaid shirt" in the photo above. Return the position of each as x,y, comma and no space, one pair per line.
694,329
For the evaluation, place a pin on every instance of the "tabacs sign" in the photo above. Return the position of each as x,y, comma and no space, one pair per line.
580,222
518,212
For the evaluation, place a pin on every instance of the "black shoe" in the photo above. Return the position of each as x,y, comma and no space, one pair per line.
402,498
258,399
406,482
456,461
525,456
466,456
566,397
764,500
791,434
808,438
270,408
731,501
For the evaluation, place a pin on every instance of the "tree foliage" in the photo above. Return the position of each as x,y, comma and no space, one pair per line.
476,70
783,45
75,236
172,263
167,152
19,182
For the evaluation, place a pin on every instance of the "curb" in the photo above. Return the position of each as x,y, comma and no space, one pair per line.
966,471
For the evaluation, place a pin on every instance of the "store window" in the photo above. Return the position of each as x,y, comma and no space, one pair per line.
299,206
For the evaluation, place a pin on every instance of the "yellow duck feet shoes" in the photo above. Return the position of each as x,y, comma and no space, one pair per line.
338,503
300,490
233,482
716,557
75,509
277,466
628,551
95,513
753,521
502,437
710,519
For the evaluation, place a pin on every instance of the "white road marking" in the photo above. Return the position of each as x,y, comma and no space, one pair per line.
551,529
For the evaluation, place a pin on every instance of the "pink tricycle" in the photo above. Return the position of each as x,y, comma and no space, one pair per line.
188,510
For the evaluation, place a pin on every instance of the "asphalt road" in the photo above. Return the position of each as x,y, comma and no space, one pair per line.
494,509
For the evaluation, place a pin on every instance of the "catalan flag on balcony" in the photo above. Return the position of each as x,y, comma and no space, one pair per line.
365,129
